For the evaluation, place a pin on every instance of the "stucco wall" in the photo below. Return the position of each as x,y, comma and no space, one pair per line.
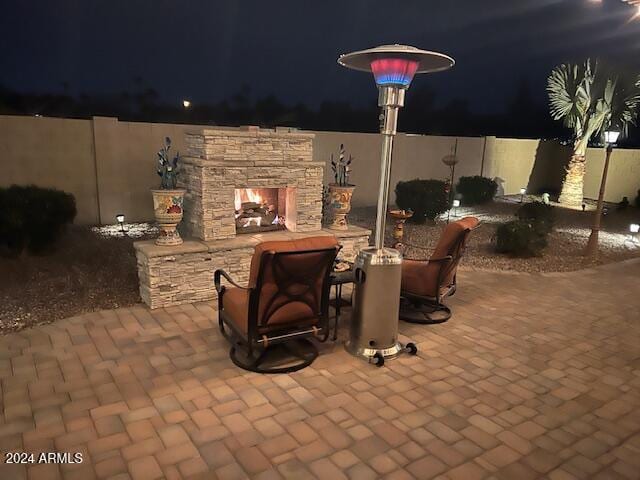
623,179
414,156
539,165
110,165
51,152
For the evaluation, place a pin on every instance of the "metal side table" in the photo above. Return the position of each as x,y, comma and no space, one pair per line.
338,279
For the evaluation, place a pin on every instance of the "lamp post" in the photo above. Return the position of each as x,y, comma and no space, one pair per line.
376,304
523,192
610,138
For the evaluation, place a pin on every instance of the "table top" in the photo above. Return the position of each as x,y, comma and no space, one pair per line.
346,276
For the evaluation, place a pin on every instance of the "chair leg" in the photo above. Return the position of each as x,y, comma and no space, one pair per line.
424,313
338,307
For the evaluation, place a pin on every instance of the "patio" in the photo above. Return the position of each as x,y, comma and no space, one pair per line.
534,376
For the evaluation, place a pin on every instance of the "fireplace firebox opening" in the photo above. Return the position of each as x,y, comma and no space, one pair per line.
264,209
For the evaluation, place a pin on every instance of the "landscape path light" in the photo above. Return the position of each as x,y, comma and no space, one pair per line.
120,220
634,228
523,192
377,270
456,204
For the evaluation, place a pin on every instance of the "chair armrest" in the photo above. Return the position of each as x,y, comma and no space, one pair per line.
218,284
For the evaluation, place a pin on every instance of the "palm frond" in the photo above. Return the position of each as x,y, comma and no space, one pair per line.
569,89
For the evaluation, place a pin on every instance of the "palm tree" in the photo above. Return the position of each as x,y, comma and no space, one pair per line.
589,99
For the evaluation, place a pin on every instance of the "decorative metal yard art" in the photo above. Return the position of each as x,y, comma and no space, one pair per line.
168,200
451,161
376,305
341,191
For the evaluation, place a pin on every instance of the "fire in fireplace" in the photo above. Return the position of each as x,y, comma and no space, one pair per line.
260,209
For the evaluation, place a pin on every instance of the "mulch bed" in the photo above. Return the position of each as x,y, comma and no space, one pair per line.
87,271
566,242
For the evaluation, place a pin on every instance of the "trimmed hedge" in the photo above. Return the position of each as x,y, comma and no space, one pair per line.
33,218
520,239
542,216
426,198
476,190
527,236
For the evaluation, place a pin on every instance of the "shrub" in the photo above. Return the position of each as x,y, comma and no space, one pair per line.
33,217
476,190
542,216
426,198
638,200
520,239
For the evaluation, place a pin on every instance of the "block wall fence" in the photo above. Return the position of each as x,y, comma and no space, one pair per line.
109,165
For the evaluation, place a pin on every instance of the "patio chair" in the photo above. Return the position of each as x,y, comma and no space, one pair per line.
269,322
426,283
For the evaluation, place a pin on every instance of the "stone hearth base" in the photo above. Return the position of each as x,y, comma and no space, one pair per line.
184,274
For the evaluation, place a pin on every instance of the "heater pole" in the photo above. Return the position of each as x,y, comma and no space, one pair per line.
390,99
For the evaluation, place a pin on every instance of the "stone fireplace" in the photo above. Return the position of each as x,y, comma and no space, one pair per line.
244,186
239,180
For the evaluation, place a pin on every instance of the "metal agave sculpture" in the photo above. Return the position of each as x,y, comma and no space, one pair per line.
341,168
168,169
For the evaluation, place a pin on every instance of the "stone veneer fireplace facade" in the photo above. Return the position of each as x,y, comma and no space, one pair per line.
218,162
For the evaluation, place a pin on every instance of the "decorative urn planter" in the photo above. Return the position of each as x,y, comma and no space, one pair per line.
340,205
400,217
168,209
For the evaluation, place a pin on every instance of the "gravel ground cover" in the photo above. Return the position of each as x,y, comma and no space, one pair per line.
90,269
566,242
95,268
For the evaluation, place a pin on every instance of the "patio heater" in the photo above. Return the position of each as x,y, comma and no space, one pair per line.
376,304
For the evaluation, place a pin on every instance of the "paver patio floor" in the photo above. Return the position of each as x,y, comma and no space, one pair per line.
533,377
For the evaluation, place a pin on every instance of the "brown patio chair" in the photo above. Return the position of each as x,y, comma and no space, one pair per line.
427,282
269,322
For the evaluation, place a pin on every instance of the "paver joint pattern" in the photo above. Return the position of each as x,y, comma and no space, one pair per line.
535,376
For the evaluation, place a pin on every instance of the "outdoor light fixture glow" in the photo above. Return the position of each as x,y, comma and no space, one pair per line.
523,191
186,103
611,136
456,204
120,220
634,228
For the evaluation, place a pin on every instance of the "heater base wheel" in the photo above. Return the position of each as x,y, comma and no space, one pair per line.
378,360
412,349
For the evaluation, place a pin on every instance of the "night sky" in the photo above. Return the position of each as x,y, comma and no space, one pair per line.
205,50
